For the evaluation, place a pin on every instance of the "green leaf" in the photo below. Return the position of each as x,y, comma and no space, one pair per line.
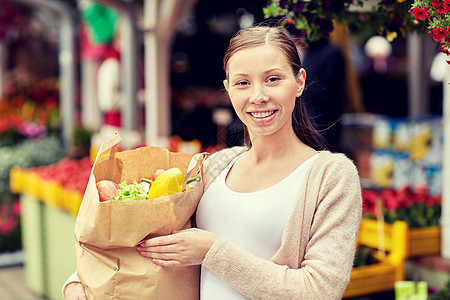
133,191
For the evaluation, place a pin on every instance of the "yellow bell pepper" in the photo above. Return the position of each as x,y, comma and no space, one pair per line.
168,183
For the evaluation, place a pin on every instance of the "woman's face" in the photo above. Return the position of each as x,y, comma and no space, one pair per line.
263,89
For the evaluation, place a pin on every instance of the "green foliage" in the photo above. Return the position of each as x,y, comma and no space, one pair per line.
312,19
28,154
417,215
364,257
82,137
442,294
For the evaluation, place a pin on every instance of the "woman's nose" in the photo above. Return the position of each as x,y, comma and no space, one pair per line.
259,97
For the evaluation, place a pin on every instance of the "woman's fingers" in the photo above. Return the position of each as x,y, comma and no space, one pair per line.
166,263
74,291
160,255
185,247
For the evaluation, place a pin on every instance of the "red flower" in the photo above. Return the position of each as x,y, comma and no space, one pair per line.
369,198
8,219
391,199
443,50
438,33
420,13
446,6
441,7
290,21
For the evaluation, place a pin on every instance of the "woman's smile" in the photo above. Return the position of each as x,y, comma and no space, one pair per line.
262,114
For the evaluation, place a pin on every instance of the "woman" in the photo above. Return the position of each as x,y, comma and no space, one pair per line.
278,218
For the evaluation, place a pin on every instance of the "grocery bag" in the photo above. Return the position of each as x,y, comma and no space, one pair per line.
107,233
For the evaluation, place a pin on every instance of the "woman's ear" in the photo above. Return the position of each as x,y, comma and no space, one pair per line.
225,84
301,79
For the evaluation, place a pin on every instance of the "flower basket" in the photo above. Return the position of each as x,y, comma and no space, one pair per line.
419,210
381,276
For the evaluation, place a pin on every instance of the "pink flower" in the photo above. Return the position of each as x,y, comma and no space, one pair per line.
8,219
7,224
16,208
33,130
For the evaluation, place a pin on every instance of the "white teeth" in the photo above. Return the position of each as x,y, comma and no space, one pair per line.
262,114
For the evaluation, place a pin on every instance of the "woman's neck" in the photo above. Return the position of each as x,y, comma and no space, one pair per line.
267,148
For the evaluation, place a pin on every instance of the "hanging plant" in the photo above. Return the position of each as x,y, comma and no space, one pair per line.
313,20
437,15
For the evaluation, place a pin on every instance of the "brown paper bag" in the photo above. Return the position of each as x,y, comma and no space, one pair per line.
107,233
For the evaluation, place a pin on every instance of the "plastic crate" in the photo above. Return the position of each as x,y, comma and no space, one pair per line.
419,241
372,279
381,276
424,241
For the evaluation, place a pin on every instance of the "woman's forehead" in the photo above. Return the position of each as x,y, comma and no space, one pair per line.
257,56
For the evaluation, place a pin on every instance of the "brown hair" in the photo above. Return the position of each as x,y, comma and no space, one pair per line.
262,35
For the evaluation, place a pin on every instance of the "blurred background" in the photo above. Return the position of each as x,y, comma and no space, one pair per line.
73,73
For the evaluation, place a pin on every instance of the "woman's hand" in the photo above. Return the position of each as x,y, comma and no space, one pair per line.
74,291
181,248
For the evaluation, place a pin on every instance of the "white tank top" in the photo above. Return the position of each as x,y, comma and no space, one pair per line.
253,221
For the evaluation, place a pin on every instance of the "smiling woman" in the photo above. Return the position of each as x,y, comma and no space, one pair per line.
296,210
277,219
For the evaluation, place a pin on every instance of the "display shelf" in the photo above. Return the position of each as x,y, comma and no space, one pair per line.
59,249
49,246
33,244
50,192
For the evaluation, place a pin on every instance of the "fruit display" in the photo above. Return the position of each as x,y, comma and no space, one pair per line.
61,184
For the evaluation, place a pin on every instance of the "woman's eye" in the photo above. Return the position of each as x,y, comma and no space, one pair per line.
241,83
273,79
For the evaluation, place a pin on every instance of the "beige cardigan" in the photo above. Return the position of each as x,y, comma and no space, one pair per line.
318,243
